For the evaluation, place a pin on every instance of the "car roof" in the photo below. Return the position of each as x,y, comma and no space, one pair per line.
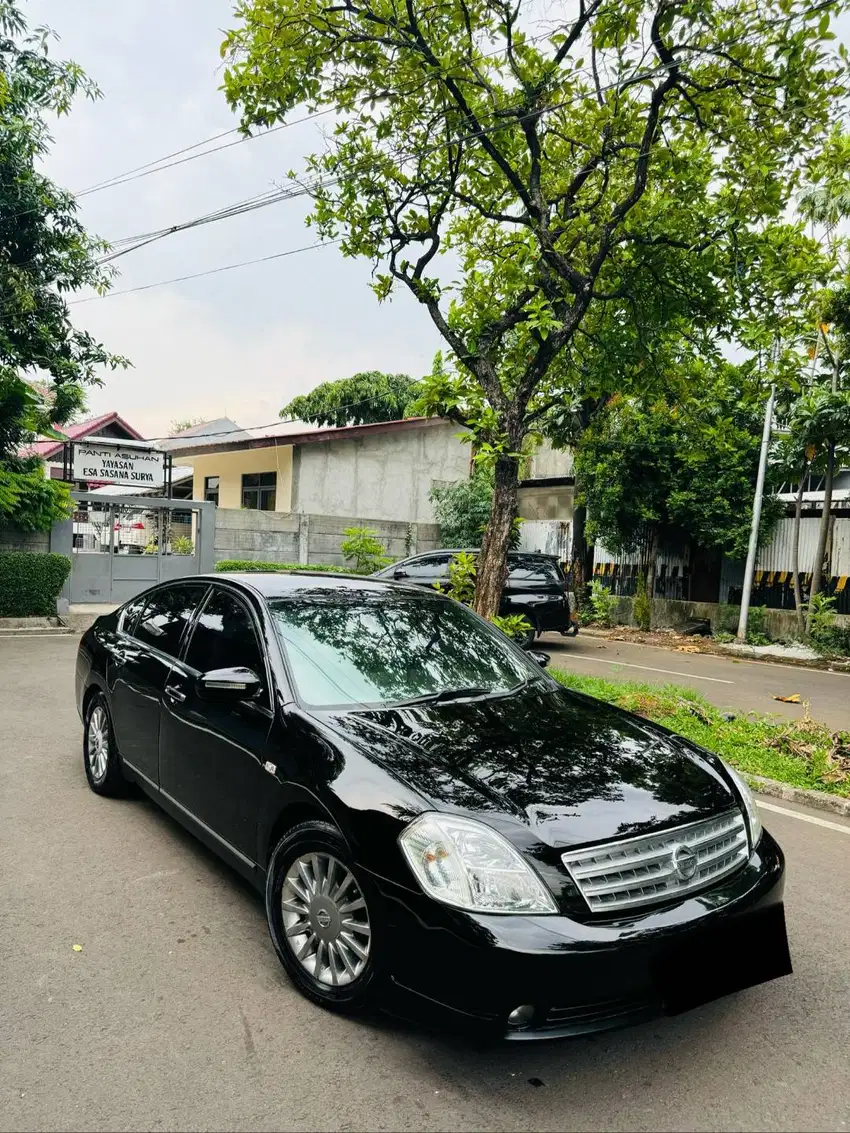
277,584
477,551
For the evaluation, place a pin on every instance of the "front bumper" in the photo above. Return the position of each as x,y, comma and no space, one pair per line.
462,970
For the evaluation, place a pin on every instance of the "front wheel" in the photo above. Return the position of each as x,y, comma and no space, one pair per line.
324,919
527,636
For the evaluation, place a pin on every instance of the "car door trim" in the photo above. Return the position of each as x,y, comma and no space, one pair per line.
164,796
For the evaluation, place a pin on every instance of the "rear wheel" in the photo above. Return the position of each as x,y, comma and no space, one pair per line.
528,636
100,755
324,919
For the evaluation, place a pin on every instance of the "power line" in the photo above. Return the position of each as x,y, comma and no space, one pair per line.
211,271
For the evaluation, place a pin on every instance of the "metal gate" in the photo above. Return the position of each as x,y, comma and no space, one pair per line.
120,545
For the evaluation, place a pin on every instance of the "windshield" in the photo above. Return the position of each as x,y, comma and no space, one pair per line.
346,647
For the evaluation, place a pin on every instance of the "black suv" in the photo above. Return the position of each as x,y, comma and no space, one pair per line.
536,587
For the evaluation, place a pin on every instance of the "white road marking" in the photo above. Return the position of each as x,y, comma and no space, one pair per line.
804,817
647,669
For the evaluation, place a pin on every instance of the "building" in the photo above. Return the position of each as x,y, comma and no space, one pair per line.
383,471
109,426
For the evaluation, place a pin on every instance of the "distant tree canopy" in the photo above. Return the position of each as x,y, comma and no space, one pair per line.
362,399
180,425
652,472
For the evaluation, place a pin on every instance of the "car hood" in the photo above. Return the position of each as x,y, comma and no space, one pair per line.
565,768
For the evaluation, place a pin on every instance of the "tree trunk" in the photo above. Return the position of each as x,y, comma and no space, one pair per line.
651,561
581,556
795,554
817,566
492,562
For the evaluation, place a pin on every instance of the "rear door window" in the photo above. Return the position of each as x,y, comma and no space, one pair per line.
434,566
166,614
535,571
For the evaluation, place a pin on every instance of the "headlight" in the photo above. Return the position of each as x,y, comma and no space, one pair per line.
467,864
750,806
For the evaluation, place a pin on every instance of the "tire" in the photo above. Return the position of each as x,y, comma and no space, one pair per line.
527,639
353,957
100,753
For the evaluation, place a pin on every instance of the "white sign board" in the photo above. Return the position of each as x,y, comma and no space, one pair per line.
118,464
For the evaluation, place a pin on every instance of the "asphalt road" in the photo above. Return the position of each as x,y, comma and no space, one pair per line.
176,1014
733,683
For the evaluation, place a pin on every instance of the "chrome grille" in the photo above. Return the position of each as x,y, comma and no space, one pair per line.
657,867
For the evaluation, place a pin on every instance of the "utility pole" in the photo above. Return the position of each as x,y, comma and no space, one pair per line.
752,550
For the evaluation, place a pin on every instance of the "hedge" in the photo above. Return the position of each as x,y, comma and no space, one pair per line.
250,564
30,582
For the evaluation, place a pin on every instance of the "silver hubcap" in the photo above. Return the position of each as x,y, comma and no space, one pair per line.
98,743
325,919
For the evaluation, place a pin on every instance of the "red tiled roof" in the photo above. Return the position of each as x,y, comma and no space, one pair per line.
78,432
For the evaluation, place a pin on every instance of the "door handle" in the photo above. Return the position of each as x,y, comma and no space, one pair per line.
175,693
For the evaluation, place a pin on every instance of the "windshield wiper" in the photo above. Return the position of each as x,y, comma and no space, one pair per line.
446,694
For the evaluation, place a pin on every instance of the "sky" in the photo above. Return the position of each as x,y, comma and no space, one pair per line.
242,343
245,342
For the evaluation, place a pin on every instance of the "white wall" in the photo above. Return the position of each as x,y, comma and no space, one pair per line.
386,475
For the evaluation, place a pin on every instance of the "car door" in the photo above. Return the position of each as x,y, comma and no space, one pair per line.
137,669
212,751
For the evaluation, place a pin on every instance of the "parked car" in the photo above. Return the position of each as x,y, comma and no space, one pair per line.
438,827
536,587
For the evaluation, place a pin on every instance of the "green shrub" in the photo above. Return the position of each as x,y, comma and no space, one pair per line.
182,545
757,626
602,604
30,582
642,605
253,565
363,551
461,585
726,619
514,626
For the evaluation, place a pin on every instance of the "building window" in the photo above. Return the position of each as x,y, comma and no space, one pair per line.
211,489
258,491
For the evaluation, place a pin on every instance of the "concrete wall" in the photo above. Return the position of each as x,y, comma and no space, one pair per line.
310,539
386,476
13,540
554,503
668,613
231,466
547,461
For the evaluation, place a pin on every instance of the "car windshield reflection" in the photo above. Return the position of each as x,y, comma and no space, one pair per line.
353,649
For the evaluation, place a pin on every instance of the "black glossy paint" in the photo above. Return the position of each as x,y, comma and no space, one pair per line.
536,586
548,768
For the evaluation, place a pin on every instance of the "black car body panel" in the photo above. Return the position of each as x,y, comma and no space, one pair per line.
536,586
549,769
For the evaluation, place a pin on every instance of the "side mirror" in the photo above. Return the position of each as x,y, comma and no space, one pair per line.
399,573
229,685
539,656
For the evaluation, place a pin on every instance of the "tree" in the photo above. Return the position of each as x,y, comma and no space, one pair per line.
656,474
44,253
363,399
627,169
181,425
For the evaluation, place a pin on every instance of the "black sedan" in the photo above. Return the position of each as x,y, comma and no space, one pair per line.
438,827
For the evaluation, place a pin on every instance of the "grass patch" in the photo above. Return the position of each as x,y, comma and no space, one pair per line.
799,752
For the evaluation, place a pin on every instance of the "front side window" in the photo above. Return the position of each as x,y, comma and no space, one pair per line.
211,484
130,614
258,491
224,638
348,648
167,613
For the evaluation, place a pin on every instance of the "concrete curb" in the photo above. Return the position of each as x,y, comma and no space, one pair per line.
836,665
820,800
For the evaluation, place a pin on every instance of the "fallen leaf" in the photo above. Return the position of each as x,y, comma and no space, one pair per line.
76,947
687,649
794,698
